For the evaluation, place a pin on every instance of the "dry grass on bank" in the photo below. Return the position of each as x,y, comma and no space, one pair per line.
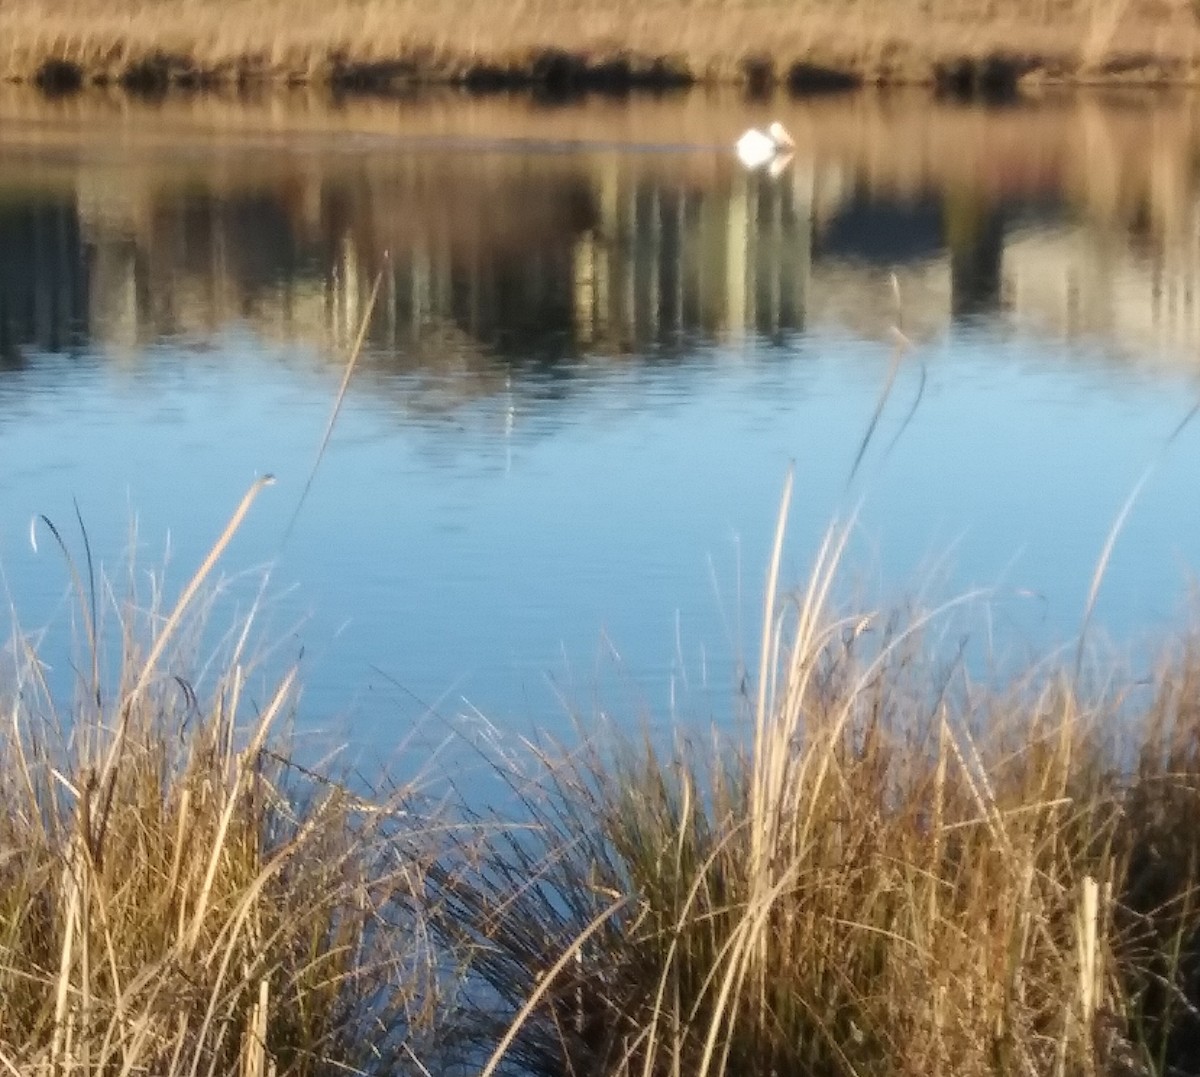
562,41
895,874
177,898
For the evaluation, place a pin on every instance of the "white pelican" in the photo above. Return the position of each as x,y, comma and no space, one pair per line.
756,148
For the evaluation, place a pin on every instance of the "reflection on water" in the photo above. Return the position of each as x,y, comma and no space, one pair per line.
1073,217
522,249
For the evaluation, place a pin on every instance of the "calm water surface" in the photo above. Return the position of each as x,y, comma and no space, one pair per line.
597,345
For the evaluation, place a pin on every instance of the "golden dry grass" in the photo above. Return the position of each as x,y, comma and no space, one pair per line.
558,41
897,871
176,896
887,869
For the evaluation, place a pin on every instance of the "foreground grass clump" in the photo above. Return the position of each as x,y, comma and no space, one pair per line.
900,873
176,898
889,870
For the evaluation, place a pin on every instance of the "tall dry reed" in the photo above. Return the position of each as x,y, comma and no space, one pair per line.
176,897
891,870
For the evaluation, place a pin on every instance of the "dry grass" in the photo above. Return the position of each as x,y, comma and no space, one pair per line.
889,870
175,896
897,872
560,41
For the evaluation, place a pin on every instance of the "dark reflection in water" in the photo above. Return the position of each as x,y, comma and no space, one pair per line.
505,257
534,260
45,277
531,254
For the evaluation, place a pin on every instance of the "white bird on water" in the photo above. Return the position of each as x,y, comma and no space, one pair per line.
756,148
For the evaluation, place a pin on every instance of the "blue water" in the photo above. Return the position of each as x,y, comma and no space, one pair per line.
521,515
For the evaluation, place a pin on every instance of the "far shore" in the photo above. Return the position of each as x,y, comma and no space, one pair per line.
967,47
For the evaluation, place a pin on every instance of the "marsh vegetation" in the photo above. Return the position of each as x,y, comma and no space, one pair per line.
564,45
879,865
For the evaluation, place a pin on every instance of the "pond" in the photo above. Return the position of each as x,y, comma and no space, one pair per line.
597,345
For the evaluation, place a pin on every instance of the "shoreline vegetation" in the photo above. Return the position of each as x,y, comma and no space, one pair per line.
881,867
965,47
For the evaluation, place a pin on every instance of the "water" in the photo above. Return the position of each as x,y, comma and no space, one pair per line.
597,347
